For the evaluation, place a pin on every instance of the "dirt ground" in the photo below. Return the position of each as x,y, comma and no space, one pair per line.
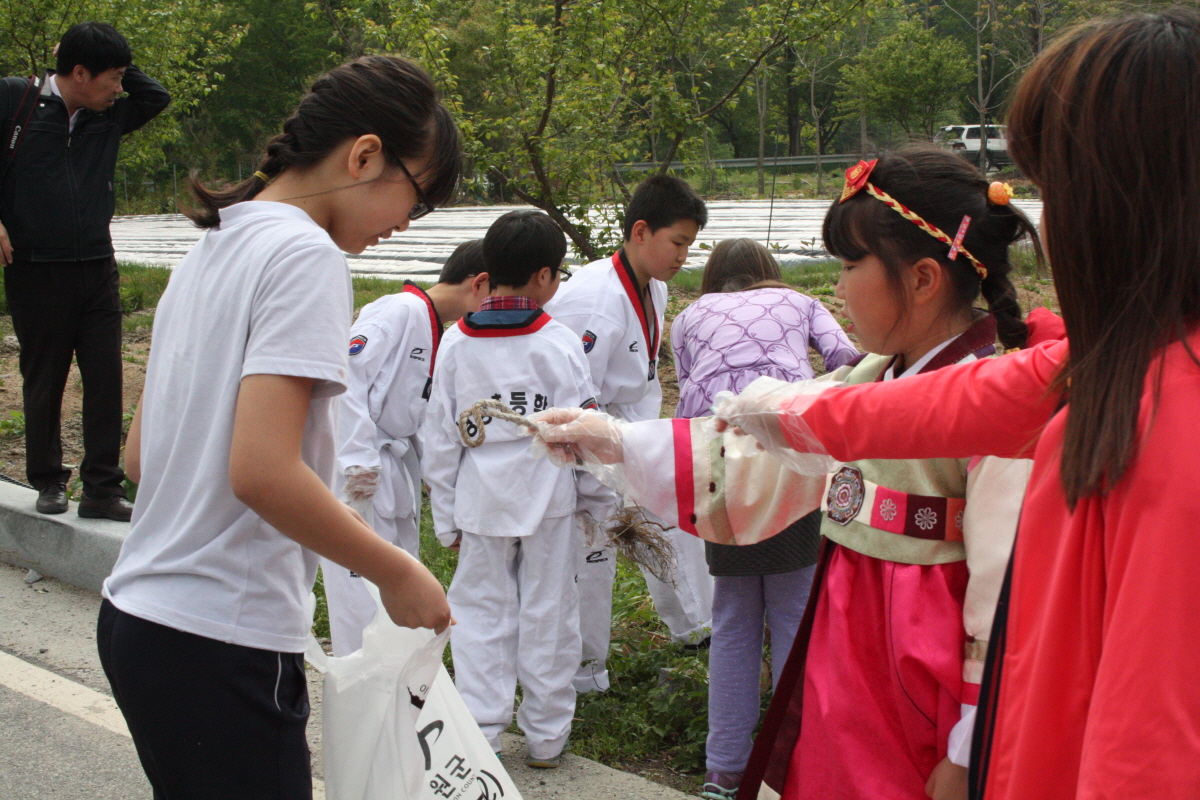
135,350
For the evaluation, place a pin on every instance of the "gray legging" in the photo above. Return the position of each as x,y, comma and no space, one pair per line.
740,605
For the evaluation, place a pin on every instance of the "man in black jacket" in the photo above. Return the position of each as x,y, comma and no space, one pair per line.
56,203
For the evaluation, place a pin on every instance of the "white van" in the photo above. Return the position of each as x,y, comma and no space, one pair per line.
965,140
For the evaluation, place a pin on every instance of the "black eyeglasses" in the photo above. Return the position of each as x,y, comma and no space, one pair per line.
566,274
422,206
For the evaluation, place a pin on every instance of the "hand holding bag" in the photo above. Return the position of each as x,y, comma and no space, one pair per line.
395,727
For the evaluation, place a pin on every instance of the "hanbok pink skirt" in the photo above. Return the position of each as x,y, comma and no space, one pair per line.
882,682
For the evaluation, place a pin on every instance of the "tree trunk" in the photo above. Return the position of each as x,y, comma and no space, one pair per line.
670,155
709,167
1037,25
982,105
792,111
862,115
816,112
761,87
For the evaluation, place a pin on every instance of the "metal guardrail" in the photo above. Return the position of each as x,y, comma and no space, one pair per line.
739,163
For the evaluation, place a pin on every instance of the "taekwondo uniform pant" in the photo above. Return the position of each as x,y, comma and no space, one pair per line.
517,614
351,607
685,607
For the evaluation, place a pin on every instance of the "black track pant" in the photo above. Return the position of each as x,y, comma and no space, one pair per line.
58,310
210,720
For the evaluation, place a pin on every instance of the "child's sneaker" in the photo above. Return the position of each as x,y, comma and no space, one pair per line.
719,786
543,763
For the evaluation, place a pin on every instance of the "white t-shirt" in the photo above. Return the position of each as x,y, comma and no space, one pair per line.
267,292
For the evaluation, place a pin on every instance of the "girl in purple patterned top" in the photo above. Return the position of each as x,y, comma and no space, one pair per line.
747,324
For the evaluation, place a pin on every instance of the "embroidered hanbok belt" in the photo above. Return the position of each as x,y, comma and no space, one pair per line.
849,496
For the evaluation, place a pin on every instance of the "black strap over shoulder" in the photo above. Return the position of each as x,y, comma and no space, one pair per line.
989,692
19,117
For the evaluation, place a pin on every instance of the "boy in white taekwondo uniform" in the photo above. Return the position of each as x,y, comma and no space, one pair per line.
511,514
393,345
616,306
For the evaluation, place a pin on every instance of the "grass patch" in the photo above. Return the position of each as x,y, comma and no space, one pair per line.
1024,262
142,286
370,288
13,425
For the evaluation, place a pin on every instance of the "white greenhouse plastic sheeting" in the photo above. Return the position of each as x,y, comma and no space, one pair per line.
795,228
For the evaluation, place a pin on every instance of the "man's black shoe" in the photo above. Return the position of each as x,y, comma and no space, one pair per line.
115,508
52,499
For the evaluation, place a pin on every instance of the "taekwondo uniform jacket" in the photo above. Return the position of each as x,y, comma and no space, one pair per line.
601,305
531,363
621,338
393,345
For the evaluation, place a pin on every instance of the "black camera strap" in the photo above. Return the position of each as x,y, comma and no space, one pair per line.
20,117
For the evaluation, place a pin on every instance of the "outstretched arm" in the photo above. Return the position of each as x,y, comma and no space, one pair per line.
991,407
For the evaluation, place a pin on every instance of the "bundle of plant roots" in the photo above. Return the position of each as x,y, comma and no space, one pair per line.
642,540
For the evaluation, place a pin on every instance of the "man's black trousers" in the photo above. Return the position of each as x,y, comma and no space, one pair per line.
60,309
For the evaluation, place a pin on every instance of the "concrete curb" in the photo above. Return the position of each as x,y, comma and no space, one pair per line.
77,551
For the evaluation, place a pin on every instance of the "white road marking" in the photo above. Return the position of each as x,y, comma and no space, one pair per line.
75,699
54,690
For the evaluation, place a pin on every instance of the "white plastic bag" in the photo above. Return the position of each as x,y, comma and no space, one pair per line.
395,726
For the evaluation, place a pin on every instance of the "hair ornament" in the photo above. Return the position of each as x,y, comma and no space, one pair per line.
857,180
262,176
999,193
956,247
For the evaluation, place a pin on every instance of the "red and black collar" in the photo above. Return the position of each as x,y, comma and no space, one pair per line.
435,322
629,281
979,340
503,323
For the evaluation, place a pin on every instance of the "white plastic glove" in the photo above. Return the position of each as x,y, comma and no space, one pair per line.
588,440
759,412
361,483
574,436
589,526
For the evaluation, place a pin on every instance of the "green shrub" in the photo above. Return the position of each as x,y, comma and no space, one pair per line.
13,425
142,286
369,287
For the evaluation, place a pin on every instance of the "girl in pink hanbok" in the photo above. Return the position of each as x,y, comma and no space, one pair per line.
878,696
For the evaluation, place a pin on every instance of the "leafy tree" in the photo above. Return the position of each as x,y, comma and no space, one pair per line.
553,94
268,71
910,77
180,43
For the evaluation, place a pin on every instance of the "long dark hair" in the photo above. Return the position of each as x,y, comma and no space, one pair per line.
738,264
943,188
389,97
1107,124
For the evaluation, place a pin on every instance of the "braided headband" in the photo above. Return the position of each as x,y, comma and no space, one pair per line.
857,180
